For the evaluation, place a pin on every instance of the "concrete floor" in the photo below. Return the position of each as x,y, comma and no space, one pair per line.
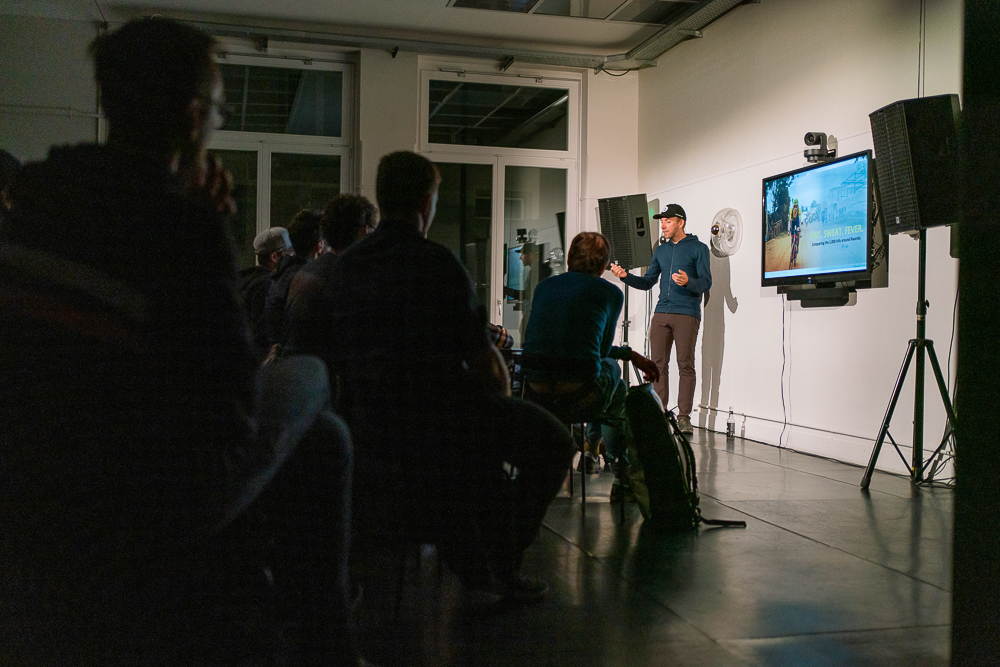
823,574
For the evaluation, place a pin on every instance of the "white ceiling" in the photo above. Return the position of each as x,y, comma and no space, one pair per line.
429,20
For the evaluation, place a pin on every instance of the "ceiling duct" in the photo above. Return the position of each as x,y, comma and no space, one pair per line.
687,26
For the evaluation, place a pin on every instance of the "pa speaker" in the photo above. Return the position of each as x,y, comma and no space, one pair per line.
916,162
625,223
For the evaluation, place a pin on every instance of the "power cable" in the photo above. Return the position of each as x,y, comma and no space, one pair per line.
104,19
784,413
631,69
922,51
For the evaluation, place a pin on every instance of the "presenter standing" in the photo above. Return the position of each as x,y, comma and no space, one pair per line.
681,263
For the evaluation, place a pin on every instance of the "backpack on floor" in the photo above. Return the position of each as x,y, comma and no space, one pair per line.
662,472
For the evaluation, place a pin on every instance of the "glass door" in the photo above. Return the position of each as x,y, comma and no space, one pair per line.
506,220
464,219
534,237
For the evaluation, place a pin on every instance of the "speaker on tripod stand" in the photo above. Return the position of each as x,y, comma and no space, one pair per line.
916,163
625,223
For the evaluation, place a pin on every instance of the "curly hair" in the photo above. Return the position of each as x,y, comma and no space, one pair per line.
589,253
345,217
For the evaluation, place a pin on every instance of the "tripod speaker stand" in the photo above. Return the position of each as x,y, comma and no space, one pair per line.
916,347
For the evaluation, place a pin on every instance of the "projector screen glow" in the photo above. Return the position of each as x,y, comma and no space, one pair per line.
816,222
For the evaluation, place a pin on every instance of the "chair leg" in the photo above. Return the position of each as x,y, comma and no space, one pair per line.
400,582
583,472
572,471
583,485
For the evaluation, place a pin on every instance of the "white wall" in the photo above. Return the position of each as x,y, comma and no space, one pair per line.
610,142
47,90
389,103
720,113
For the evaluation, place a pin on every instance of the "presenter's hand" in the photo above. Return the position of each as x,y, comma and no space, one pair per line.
646,366
681,278
618,271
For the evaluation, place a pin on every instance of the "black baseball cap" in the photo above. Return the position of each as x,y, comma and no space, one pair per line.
671,211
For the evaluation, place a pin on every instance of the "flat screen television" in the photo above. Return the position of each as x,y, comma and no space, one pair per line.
819,224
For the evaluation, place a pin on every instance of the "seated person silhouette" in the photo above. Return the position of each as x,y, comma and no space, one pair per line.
443,454
569,362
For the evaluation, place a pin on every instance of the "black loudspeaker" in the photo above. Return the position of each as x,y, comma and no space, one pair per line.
625,223
916,161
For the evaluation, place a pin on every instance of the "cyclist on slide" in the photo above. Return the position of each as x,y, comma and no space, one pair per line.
794,223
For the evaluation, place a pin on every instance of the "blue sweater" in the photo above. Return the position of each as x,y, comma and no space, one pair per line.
689,255
571,328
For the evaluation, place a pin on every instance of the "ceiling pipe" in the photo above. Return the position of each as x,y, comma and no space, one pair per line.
688,26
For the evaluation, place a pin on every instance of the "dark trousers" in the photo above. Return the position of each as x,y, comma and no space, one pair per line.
680,331
609,423
298,516
472,474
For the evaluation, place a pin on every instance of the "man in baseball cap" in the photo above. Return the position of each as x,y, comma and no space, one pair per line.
681,262
269,246
671,211
269,241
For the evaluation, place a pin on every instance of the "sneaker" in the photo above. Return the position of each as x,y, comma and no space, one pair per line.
684,424
520,588
589,464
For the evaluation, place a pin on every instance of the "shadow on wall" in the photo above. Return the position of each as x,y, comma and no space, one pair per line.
713,341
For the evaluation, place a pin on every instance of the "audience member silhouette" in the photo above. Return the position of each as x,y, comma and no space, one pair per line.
441,450
144,450
270,246
308,242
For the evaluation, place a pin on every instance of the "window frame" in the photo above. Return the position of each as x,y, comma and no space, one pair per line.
348,127
264,148
568,81
292,56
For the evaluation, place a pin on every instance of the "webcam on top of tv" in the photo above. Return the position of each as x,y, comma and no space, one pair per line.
823,153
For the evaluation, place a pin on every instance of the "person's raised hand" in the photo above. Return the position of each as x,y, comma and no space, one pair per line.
215,183
618,271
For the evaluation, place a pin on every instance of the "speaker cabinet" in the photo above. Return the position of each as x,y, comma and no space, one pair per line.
625,223
916,162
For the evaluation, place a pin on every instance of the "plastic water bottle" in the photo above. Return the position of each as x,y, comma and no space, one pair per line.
731,425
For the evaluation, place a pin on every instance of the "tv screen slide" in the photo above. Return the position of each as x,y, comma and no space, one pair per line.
816,220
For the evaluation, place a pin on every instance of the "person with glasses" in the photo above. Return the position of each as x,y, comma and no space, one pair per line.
151,467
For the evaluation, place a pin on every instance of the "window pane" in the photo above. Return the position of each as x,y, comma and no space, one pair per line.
594,9
521,6
534,228
283,101
464,219
301,181
482,114
243,226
